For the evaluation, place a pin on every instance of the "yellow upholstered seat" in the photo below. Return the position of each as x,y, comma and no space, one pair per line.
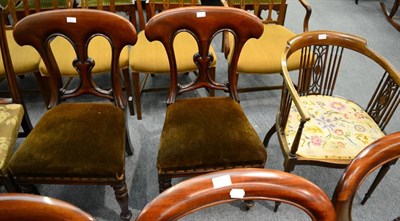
150,57
338,128
268,48
10,121
99,50
24,59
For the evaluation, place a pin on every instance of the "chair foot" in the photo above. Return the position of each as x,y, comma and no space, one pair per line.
269,135
382,172
249,204
121,194
29,188
163,183
128,145
277,204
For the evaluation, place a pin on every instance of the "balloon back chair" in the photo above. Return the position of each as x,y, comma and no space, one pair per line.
23,206
77,142
99,48
317,125
263,55
12,112
381,153
204,134
150,58
251,184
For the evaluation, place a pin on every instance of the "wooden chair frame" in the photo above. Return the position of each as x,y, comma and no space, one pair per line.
152,8
53,24
381,153
321,80
275,14
164,27
16,97
257,184
20,206
389,15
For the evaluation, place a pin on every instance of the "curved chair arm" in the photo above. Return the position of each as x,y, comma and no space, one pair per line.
308,9
19,206
261,184
380,152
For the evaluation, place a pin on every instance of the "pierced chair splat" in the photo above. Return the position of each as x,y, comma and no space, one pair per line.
320,124
204,134
77,142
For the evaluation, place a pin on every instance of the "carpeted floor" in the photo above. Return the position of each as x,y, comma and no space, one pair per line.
365,19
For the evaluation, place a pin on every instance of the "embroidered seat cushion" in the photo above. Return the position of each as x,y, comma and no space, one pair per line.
151,57
99,50
74,140
10,121
263,55
208,133
338,128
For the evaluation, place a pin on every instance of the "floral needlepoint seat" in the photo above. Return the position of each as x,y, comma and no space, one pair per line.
10,121
338,128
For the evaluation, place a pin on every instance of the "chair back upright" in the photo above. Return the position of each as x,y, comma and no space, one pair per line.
383,152
251,184
22,206
15,93
203,23
47,25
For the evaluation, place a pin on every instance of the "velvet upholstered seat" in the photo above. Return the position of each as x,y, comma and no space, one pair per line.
204,134
150,57
77,142
208,133
263,55
66,150
318,123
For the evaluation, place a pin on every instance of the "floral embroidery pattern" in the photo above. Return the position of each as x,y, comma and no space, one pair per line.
10,120
338,128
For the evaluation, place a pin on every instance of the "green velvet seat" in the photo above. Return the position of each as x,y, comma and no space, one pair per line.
208,133
204,134
10,121
77,130
78,142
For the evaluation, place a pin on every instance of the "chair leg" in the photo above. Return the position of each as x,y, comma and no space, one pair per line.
128,88
136,91
43,84
249,204
121,194
29,188
211,72
288,167
9,184
163,183
269,135
382,172
128,145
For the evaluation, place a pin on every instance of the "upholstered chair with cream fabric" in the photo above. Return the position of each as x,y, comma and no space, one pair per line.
318,123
